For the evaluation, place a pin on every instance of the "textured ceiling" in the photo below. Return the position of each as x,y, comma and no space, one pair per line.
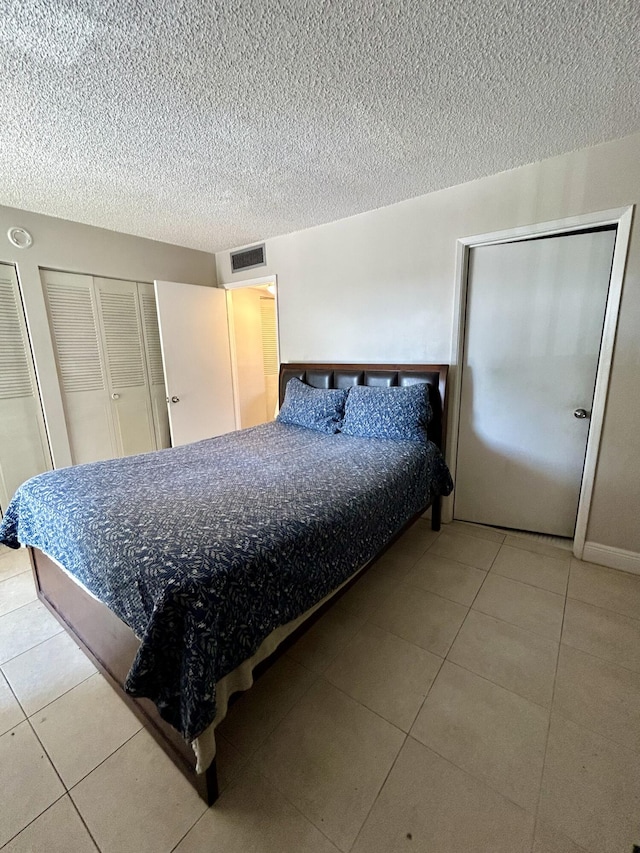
216,124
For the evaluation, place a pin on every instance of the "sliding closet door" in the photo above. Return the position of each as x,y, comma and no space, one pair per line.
24,450
125,366
73,319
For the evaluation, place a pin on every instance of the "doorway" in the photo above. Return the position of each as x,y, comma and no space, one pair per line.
469,392
253,335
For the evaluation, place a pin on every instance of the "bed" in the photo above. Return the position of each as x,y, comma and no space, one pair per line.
181,572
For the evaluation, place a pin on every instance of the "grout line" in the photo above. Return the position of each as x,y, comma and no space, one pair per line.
597,657
106,758
249,756
546,744
14,575
83,821
380,790
519,627
38,710
33,820
533,585
546,708
484,782
24,651
606,609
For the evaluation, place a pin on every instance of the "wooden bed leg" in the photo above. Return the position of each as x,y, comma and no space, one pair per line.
435,513
212,783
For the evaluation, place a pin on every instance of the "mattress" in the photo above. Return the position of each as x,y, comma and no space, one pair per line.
205,550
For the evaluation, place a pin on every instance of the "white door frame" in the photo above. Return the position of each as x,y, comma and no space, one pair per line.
236,285
620,217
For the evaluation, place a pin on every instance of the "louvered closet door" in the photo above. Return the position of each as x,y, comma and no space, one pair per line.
24,450
153,351
126,365
74,323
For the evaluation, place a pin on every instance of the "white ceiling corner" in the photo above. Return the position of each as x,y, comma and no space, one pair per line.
215,125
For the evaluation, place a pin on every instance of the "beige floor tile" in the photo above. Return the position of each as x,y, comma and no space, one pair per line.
467,529
602,633
256,714
526,606
416,540
83,727
490,732
367,594
385,673
58,830
229,762
447,578
428,805
590,789
540,570
28,782
549,840
14,562
137,801
393,565
16,591
10,711
608,588
599,695
330,756
537,547
253,816
325,639
24,628
419,617
507,655
39,676
479,553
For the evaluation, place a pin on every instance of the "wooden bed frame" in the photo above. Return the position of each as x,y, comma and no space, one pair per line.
112,645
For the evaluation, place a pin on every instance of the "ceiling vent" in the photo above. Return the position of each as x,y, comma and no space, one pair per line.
246,259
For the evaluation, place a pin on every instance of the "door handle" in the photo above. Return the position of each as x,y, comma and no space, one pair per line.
115,396
175,399
581,414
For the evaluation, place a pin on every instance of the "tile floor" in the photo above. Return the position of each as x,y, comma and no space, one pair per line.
474,691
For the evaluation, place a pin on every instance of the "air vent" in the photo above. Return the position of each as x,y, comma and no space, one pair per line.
245,259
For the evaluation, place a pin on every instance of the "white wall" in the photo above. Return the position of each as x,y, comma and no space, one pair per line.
380,287
63,245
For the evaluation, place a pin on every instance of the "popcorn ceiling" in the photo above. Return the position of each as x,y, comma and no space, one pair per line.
216,124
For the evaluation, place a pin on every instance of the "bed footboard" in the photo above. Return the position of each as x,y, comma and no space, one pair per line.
112,645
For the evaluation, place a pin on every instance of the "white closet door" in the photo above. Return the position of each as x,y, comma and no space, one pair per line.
24,450
126,365
535,312
153,352
73,320
196,358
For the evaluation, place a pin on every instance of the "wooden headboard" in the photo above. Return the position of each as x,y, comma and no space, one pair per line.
347,375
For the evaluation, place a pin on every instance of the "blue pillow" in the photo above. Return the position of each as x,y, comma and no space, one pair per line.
320,409
380,412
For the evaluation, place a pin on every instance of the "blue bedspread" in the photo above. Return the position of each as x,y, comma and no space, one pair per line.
203,550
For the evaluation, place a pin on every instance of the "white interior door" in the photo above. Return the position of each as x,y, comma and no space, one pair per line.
197,367
24,450
535,312
153,351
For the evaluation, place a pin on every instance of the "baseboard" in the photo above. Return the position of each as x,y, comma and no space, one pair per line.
614,558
